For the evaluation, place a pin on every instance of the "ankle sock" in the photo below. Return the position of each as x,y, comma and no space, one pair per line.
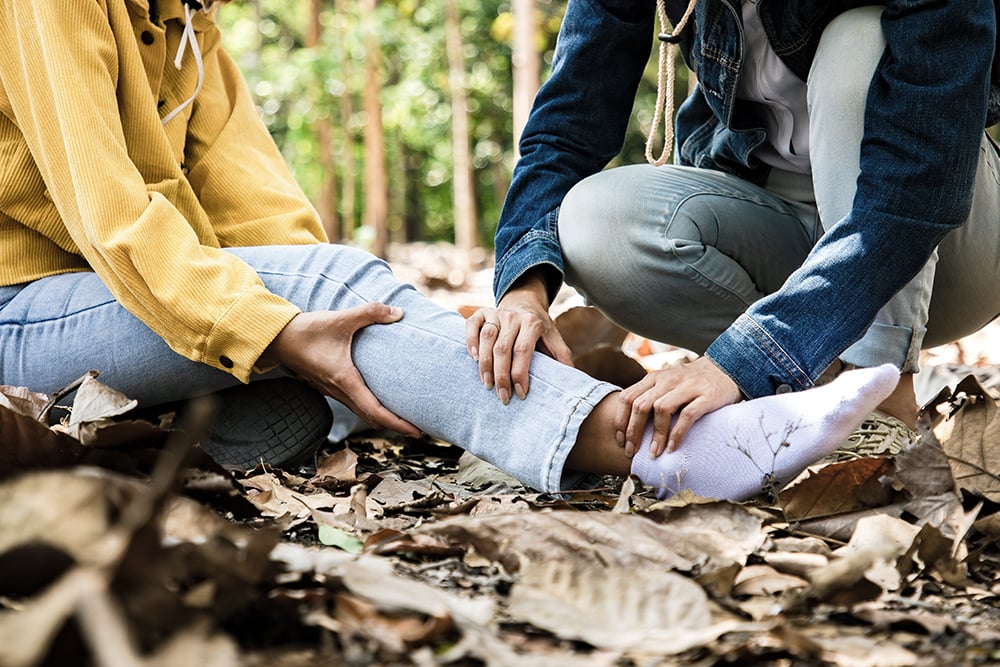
756,446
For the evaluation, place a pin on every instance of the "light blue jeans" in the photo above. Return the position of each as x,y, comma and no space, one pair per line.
55,329
677,254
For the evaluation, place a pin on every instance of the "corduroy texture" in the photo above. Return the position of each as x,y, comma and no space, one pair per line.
90,179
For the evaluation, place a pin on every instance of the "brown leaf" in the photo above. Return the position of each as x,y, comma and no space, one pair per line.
29,445
838,488
697,538
612,607
341,466
94,406
395,632
610,365
585,328
970,436
765,580
23,401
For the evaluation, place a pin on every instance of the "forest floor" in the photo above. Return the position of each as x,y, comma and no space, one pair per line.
122,544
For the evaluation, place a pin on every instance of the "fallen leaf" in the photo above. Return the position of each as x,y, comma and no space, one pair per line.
584,328
970,436
23,401
610,365
335,537
693,539
765,580
838,488
341,466
611,607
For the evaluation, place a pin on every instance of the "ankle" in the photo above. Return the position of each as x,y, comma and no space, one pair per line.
902,402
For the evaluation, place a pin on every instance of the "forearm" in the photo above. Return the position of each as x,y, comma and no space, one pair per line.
576,126
924,117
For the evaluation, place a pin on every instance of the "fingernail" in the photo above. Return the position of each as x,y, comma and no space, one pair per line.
630,448
395,311
519,390
474,353
620,438
671,445
488,380
504,395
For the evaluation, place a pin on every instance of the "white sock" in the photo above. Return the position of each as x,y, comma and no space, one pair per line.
740,450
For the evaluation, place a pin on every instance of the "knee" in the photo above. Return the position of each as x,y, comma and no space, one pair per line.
849,51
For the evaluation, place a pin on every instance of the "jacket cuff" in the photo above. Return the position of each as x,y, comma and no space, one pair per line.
755,361
245,330
536,248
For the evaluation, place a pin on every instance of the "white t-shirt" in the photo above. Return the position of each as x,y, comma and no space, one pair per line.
777,96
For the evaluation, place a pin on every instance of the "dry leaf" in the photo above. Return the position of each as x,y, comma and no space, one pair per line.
585,328
23,401
970,436
838,488
612,607
610,365
697,538
341,466
765,580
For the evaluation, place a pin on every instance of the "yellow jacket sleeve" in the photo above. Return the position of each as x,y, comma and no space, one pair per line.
77,86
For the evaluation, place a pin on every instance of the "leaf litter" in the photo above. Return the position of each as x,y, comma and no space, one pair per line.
122,544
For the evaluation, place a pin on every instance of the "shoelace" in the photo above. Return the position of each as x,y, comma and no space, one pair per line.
189,39
666,72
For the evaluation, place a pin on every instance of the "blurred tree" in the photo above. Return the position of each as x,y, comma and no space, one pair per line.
466,233
376,181
326,197
526,63
305,62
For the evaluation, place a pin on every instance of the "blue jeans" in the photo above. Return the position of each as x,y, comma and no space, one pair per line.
678,253
55,329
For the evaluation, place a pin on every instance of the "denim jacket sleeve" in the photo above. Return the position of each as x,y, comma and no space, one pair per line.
577,124
924,119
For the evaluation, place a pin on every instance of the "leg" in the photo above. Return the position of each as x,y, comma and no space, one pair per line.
849,51
676,253
56,329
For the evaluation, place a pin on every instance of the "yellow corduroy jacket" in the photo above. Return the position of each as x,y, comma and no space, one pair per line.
91,180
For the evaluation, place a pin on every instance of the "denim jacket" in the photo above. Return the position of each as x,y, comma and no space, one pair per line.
925,114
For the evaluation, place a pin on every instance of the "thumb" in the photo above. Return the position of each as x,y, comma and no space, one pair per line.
375,313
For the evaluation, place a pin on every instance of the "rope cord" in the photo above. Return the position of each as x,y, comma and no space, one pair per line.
664,111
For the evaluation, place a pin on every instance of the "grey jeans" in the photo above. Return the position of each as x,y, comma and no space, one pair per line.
55,329
677,253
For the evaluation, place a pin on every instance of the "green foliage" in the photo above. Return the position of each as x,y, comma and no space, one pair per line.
296,86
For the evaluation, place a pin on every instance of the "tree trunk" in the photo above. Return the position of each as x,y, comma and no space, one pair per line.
326,199
462,179
348,166
376,181
526,64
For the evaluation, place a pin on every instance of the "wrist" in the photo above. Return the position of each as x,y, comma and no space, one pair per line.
530,288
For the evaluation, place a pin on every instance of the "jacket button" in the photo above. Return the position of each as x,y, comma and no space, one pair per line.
146,37
226,362
783,389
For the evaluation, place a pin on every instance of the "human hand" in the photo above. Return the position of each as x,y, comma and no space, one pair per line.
316,347
689,391
502,339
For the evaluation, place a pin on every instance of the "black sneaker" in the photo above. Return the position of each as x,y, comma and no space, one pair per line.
279,422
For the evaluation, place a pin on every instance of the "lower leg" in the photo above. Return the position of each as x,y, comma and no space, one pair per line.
837,98
596,450
902,402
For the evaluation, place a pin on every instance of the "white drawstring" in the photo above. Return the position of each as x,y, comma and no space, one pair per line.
188,38
665,84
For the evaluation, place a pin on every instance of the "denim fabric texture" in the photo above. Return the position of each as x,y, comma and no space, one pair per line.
55,329
926,109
